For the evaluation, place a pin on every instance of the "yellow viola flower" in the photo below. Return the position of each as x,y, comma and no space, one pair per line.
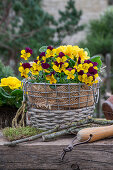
80,67
96,75
95,67
63,59
57,69
50,52
37,66
47,71
84,78
85,67
25,55
80,77
51,79
70,74
24,72
64,66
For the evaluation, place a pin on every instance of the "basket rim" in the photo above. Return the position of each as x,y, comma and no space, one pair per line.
24,81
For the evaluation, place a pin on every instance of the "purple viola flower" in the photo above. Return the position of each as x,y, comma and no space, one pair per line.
41,54
26,65
28,50
95,63
69,69
56,63
87,61
88,74
50,48
81,72
61,63
61,54
35,61
53,72
93,71
79,60
45,65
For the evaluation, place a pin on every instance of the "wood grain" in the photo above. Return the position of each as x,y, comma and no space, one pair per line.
40,155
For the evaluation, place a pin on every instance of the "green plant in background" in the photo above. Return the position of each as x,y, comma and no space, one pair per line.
68,23
10,92
5,71
26,24
99,37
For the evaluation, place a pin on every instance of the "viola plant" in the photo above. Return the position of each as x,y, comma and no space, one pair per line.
65,64
11,92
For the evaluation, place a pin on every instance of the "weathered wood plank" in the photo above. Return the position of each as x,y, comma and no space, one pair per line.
46,155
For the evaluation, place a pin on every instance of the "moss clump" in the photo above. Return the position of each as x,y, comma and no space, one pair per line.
20,132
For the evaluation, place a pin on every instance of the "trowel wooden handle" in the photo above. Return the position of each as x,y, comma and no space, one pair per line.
96,132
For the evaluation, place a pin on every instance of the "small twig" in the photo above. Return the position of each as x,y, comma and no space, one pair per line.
55,135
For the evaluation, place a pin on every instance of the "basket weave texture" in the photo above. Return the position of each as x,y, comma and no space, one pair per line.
51,105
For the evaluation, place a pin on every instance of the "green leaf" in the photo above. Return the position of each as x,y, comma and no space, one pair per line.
18,94
5,94
97,59
71,63
86,49
43,49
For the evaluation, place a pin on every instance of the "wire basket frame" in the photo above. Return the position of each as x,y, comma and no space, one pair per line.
50,105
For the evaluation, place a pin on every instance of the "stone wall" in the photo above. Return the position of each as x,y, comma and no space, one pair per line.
91,10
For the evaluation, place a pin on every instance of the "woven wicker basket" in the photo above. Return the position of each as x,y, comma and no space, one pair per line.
51,105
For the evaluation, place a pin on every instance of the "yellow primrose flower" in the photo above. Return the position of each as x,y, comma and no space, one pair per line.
11,82
69,51
70,74
60,49
75,51
83,55
51,79
25,55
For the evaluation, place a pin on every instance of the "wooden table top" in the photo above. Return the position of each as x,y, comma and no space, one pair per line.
46,155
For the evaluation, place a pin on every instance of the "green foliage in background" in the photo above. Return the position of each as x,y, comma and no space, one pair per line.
25,23
99,37
5,71
68,23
